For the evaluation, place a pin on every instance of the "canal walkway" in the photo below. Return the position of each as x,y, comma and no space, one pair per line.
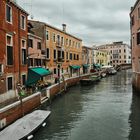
98,112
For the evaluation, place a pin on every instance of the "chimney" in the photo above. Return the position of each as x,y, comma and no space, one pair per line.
64,27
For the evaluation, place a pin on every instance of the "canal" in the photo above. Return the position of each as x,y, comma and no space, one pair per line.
105,111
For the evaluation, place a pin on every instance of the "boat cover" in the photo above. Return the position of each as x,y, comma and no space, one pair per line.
24,126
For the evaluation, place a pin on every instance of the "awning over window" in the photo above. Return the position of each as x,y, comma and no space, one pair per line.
34,74
75,67
97,65
85,65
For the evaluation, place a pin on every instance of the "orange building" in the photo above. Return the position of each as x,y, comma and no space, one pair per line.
63,50
135,43
13,47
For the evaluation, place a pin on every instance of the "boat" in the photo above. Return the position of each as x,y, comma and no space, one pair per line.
91,80
110,70
24,127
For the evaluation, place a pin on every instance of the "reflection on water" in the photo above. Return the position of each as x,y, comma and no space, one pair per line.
134,118
98,112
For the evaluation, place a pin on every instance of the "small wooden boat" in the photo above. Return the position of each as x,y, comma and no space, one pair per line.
93,79
25,127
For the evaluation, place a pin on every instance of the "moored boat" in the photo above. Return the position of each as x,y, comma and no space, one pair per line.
93,79
24,127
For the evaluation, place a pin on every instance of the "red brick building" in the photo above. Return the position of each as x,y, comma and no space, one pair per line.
135,43
13,46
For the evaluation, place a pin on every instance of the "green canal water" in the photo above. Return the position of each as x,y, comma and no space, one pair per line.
105,111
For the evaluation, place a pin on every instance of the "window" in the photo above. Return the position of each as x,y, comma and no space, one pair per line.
54,54
48,53
8,14
124,50
66,41
1,68
59,54
9,42
138,12
30,43
119,51
31,62
132,20
62,40
138,38
54,71
23,56
39,45
63,54
23,79
47,35
77,57
70,56
54,37
9,83
79,45
124,56
74,56
58,39
67,55
69,42
62,70
23,22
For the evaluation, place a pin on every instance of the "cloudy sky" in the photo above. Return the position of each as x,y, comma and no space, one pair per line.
94,21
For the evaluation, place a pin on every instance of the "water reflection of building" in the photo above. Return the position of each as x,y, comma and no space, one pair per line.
134,119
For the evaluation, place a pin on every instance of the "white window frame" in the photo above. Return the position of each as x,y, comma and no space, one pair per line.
10,76
11,14
23,47
8,44
47,35
54,37
23,28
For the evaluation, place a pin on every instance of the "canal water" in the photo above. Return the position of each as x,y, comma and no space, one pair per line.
104,111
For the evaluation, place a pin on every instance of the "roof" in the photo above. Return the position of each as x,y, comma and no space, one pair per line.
46,24
19,7
132,8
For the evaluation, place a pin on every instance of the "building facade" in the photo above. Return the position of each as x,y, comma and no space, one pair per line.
13,43
87,59
135,44
120,53
101,57
63,50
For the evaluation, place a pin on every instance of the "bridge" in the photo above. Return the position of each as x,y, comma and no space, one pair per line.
123,67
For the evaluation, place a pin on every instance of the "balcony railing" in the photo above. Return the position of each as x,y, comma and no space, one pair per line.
60,59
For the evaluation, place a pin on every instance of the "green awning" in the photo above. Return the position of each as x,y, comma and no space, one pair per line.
75,67
34,74
97,65
85,65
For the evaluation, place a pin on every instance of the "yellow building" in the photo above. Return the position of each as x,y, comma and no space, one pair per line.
100,57
63,51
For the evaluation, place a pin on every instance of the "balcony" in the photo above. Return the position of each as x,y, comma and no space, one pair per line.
59,44
60,59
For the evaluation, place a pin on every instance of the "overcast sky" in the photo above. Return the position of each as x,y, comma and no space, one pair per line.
94,21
